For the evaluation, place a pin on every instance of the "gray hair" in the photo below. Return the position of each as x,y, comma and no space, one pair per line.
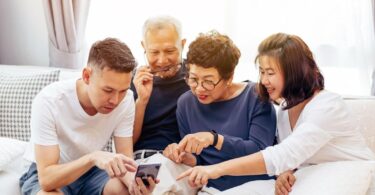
160,22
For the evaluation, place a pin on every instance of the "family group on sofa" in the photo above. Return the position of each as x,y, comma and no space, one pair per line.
220,135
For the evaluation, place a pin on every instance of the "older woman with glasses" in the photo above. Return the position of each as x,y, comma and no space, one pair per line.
219,119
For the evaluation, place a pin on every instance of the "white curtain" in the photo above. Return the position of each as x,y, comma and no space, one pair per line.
66,22
373,71
339,32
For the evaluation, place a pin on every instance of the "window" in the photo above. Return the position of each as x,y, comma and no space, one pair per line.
339,32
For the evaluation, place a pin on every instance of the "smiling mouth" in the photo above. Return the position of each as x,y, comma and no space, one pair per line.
165,69
269,91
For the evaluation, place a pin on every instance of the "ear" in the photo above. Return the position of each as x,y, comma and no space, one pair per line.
143,46
86,74
183,41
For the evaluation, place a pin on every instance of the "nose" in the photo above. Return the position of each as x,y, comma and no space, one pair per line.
199,87
162,59
264,80
113,100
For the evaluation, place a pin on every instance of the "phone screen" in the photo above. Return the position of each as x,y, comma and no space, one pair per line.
147,170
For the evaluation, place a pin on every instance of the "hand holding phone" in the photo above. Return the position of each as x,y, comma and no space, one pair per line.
147,170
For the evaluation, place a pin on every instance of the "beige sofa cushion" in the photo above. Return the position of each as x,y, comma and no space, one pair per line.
363,109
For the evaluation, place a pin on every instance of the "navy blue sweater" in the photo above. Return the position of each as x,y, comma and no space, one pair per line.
247,124
159,124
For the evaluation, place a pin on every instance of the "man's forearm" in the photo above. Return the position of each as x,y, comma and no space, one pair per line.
59,175
140,108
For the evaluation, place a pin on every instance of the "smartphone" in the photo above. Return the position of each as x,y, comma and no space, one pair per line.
147,170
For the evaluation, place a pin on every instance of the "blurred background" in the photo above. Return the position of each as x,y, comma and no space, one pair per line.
339,32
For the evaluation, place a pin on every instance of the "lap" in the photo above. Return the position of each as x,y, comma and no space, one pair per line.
92,182
168,173
258,187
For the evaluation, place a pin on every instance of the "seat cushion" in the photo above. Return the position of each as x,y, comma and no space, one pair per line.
9,183
334,178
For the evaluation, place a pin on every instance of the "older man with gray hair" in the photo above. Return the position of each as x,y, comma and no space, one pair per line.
157,87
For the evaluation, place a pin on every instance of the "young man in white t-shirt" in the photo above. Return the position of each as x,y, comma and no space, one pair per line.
72,121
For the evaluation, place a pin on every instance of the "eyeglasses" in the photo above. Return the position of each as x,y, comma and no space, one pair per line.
206,84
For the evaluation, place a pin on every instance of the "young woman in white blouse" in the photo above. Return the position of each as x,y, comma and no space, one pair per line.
314,125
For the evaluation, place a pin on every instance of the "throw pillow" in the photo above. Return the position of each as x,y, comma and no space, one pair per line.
334,178
16,95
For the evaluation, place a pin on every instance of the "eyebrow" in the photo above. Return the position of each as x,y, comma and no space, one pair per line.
268,68
110,88
204,76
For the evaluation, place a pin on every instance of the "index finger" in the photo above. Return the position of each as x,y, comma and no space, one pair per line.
285,184
182,145
175,153
129,163
184,174
292,179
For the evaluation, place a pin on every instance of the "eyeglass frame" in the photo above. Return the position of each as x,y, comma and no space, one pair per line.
201,83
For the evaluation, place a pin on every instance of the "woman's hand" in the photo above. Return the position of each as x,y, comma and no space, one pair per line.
199,175
173,153
195,143
284,183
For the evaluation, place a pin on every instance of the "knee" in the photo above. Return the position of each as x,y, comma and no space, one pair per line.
115,187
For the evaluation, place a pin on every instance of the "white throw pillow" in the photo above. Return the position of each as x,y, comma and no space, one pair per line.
10,149
334,178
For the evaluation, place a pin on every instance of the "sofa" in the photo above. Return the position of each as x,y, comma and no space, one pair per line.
19,84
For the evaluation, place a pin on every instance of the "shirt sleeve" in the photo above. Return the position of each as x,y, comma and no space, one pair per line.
126,121
183,127
42,122
315,129
303,143
262,120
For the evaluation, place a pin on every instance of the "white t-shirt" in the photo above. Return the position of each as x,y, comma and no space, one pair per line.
57,118
324,132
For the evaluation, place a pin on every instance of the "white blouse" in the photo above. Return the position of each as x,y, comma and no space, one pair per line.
324,132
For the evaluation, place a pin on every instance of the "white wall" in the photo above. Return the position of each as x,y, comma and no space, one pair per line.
23,35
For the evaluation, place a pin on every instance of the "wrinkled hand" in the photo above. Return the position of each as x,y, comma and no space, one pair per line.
173,153
139,188
195,143
143,80
116,165
284,183
199,175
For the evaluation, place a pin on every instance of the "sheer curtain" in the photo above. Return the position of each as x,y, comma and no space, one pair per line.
66,22
373,71
340,32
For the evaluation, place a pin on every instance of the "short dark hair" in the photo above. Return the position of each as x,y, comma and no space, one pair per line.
214,50
113,54
296,62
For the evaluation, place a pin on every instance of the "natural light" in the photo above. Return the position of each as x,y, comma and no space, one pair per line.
342,38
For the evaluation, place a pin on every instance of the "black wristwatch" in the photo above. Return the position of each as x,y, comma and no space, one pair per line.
216,137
